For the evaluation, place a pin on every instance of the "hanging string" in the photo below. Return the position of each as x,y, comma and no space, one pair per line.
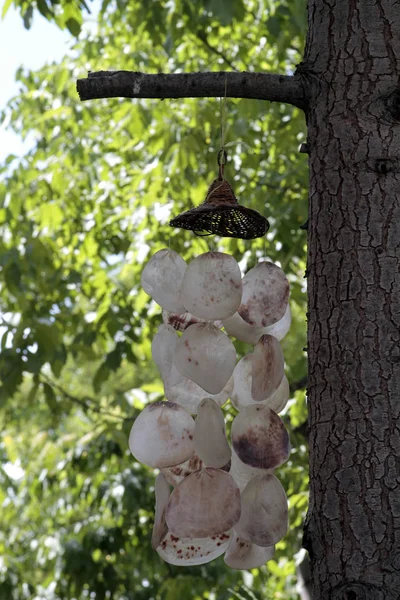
207,246
222,153
199,249
222,156
212,244
223,115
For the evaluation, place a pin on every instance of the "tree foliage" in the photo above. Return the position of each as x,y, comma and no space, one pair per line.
65,13
79,216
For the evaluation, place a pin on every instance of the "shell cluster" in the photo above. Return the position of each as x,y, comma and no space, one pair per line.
212,497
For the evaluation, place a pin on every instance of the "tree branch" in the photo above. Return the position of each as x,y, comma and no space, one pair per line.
130,84
87,403
203,38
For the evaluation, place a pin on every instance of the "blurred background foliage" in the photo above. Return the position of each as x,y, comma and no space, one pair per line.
79,216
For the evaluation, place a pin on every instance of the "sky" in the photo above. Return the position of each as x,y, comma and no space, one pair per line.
32,48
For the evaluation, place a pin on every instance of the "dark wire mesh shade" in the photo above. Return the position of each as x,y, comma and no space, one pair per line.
220,214
226,221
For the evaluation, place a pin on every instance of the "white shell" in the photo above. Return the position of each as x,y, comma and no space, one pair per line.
244,555
265,295
268,367
187,552
206,356
212,286
160,528
206,503
239,329
243,473
175,475
162,435
264,518
183,321
163,352
259,437
162,279
242,384
280,397
281,328
189,395
242,379
210,442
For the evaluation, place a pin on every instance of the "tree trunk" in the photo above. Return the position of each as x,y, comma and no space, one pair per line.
352,63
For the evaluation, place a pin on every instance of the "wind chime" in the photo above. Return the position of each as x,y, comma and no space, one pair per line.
213,498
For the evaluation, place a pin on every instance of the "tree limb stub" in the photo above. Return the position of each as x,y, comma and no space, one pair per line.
130,84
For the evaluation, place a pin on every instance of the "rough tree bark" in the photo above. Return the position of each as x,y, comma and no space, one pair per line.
349,88
352,63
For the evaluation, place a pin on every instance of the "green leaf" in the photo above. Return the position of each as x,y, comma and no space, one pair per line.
12,278
226,10
113,360
33,391
48,337
3,215
72,18
59,359
274,26
6,6
102,374
4,396
44,9
35,362
73,26
50,398
28,17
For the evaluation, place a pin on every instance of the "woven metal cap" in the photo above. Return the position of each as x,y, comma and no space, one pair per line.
221,214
